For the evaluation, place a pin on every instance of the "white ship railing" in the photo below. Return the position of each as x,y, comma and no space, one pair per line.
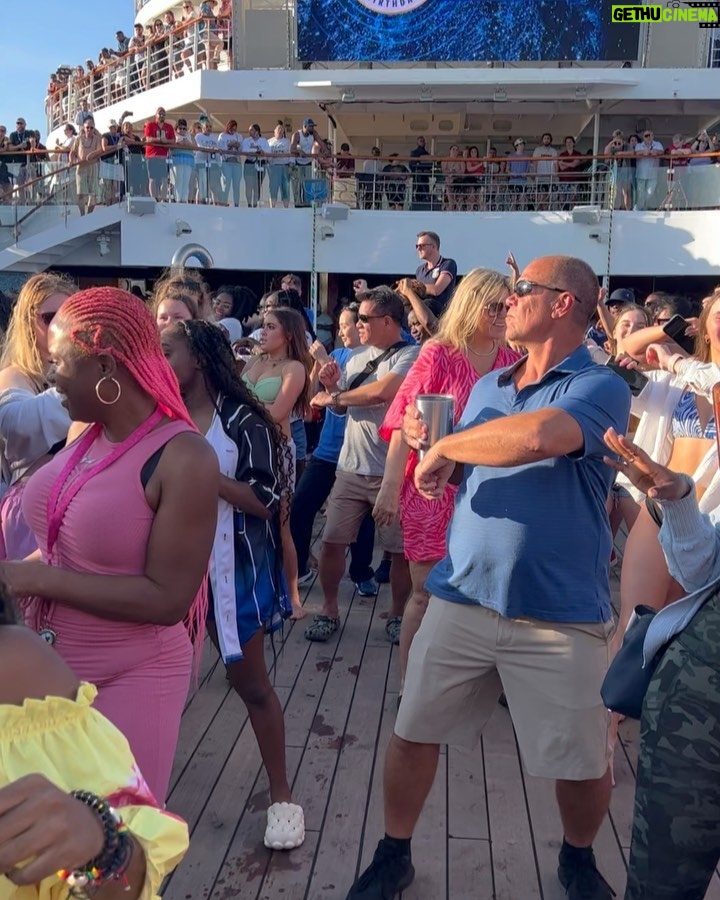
47,181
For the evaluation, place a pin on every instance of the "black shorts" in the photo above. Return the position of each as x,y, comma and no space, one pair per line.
655,510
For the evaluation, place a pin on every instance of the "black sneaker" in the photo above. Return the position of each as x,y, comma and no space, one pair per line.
387,875
579,876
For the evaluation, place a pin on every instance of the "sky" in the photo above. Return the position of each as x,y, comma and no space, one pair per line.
67,32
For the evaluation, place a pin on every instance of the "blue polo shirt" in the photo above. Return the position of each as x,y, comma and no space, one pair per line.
534,540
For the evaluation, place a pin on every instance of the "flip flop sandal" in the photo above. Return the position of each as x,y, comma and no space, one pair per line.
322,628
392,629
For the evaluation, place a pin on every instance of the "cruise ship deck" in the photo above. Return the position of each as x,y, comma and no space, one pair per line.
489,831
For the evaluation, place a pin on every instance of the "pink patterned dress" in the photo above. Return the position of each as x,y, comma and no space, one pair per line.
439,369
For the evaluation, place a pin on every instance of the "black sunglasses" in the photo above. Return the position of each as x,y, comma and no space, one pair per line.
47,317
524,286
362,317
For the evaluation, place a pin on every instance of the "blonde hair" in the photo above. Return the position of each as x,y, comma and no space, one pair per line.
478,289
181,284
703,350
20,348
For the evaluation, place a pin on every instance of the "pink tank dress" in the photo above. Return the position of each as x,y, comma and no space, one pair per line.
142,671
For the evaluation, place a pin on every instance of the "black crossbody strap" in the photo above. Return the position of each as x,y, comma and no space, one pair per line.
372,366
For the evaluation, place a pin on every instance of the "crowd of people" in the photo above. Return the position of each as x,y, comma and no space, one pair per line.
216,425
167,48
194,162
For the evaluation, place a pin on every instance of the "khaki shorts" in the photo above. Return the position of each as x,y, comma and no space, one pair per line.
462,658
87,180
351,499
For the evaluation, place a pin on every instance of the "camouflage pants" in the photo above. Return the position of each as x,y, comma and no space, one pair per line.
676,826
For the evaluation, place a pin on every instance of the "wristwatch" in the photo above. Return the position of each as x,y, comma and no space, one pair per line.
334,397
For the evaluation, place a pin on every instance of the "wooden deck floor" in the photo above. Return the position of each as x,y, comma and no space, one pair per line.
488,830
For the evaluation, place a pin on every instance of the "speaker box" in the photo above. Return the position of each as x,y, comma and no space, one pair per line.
141,206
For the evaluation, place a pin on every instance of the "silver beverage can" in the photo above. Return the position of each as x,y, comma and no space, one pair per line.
438,413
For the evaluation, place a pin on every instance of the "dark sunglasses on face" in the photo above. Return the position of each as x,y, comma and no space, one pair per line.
362,317
493,310
524,286
47,317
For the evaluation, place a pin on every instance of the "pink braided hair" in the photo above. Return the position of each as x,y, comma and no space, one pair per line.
110,320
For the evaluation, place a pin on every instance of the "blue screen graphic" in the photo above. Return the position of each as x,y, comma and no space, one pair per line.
464,30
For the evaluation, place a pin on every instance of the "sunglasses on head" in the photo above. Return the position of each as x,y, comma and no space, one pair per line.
524,286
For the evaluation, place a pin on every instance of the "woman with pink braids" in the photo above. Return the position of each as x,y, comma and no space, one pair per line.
124,518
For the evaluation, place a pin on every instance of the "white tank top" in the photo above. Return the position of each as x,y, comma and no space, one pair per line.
305,143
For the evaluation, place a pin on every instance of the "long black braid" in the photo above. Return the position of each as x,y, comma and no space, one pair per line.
213,353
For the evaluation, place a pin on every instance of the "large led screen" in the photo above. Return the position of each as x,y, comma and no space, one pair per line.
462,30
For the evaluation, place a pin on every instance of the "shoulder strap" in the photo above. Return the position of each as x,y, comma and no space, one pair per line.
372,366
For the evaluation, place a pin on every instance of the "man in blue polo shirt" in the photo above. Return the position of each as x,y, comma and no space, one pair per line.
521,603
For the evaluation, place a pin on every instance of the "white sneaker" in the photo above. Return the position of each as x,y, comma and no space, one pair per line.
285,826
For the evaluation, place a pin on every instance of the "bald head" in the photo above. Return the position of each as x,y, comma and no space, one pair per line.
576,277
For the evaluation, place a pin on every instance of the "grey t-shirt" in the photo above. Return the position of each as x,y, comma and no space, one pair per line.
363,450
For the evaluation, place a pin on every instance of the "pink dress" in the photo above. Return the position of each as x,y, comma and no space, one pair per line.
142,671
439,369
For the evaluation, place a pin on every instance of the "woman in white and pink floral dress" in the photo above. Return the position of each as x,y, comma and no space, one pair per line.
470,342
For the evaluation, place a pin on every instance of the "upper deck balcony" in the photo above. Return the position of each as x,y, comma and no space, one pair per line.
272,36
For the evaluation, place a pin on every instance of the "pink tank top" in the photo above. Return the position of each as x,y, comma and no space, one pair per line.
106,527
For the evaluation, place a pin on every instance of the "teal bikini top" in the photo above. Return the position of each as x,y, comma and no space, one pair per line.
265,389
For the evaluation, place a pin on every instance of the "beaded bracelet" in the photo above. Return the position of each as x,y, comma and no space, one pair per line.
112,862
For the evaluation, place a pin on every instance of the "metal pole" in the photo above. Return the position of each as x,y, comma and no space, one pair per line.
596,147
313,264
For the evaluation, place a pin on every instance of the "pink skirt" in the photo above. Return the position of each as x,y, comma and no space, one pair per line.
425,522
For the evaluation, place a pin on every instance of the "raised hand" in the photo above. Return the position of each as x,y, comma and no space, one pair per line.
658,482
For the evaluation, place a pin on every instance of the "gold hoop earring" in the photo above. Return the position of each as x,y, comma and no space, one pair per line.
112,381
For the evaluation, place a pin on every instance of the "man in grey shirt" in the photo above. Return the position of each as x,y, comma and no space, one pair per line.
372,377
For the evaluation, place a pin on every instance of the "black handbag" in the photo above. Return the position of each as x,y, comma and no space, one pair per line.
626,681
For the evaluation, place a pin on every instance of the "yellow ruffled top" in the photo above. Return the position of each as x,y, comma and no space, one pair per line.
76,748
